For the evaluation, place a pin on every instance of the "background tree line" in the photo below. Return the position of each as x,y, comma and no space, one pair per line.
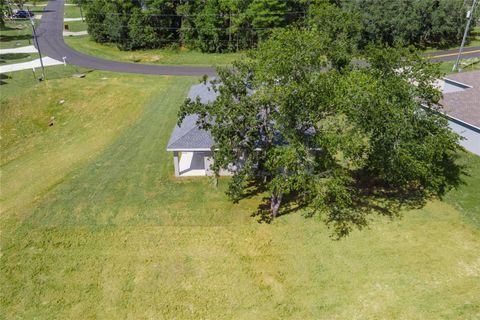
412,22
230,25
210,26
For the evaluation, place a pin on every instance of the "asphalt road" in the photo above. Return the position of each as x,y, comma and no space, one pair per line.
449,55
50,38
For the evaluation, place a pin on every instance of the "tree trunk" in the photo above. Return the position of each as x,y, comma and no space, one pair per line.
275,203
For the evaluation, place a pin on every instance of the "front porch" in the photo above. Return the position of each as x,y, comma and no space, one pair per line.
191,164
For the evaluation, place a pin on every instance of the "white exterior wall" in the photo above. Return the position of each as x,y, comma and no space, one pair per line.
208,160
470,133
208,166
195,164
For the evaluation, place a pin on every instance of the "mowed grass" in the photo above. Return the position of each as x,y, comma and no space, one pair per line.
108,233
182,56
471,64
16,34
72,11
466,198
9,58
74,26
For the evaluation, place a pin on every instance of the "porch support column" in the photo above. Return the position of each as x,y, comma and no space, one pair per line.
176,163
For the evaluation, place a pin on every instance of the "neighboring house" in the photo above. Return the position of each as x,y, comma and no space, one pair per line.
461,105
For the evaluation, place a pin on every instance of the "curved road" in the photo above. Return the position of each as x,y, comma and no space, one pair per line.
50,39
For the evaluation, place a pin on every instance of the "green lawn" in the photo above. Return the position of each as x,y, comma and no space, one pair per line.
9,58
72,12
16,34
466,199
95,226
35,3
466,65
75,26
182,56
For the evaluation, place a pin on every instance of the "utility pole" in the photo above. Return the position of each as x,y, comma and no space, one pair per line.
38,47
470,15
230,27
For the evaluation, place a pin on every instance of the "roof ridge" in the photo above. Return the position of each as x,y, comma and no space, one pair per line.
186,132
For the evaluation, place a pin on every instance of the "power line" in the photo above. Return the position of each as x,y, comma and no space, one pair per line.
240,28
221,15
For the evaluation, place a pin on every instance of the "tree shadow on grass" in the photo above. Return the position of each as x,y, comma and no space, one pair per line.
369,197
4,77
253,189
12,56
290,204
372,197
8,38
11,28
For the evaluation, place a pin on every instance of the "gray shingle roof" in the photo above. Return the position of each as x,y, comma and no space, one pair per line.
204,91
188,136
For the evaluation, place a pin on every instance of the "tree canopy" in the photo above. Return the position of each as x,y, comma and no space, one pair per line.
211,26
229,25
410,22
340,140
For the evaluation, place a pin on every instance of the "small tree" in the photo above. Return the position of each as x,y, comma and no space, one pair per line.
265,15
96,14
141,32
341,140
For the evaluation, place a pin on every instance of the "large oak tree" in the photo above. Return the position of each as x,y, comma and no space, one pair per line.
341,140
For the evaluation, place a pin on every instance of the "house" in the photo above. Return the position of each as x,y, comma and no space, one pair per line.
461,106
191,146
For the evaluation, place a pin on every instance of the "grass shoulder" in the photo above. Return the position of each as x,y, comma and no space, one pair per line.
174,57
471,64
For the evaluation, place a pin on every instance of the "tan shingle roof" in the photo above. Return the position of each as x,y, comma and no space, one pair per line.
464,105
